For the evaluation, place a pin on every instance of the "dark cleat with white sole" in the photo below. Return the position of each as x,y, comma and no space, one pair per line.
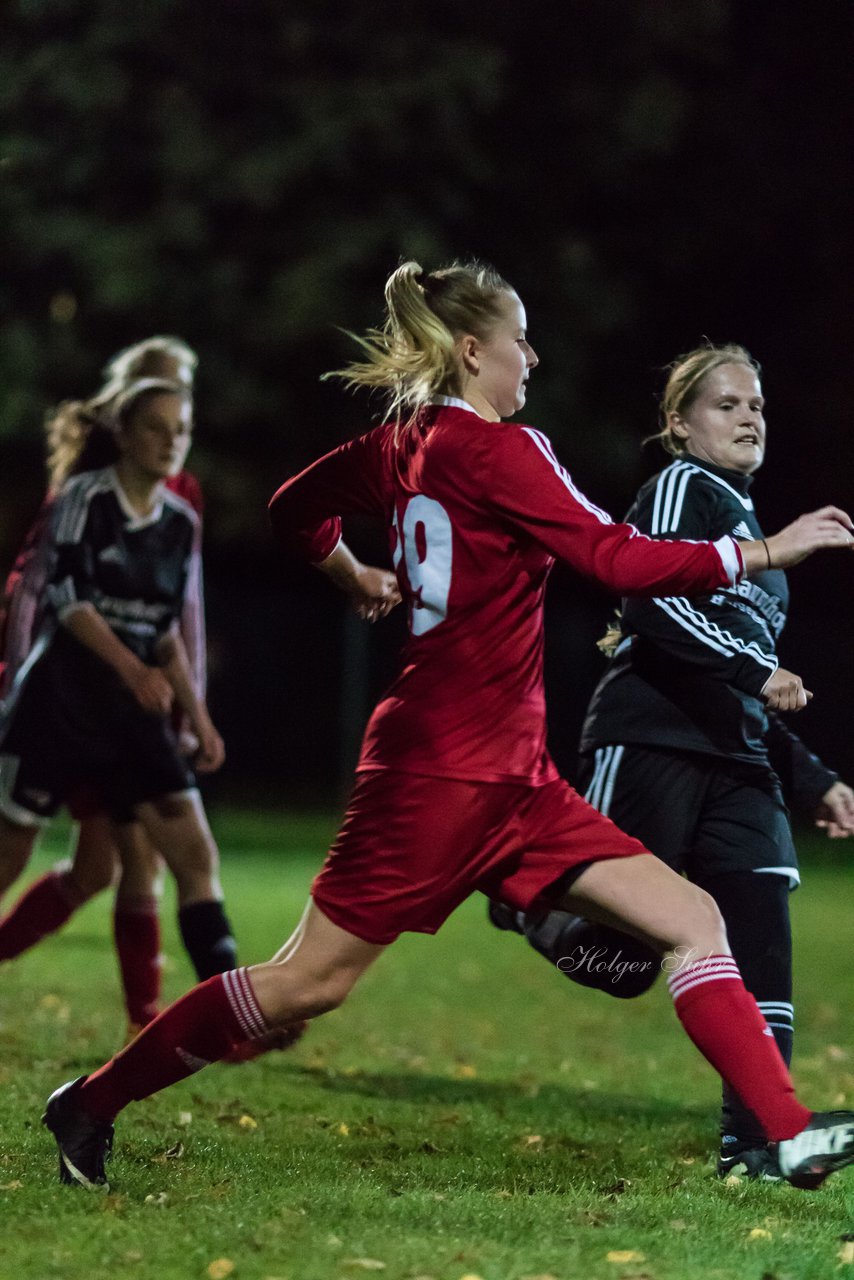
823,1147
747,1160
84,1143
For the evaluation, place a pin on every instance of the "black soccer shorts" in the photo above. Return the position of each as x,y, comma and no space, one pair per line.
703,815
122,755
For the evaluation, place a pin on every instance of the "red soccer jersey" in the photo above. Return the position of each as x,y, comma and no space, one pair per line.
477,512
187,487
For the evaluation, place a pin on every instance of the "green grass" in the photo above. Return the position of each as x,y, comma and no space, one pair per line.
467,1113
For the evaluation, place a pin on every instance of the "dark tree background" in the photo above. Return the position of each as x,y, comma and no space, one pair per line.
245,173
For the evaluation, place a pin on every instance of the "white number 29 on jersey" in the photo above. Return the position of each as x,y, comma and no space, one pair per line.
424,539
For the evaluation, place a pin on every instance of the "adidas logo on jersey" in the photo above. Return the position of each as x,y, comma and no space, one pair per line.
741,530
111,555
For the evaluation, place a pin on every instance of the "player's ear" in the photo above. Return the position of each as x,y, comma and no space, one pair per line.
677,425
470,353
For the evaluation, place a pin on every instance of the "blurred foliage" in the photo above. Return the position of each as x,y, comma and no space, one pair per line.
245,173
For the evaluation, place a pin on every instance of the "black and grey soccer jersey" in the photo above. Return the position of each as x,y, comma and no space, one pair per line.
133,569
688,674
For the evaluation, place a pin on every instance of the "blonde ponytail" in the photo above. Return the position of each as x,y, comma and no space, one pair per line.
73,432
81,433
413,357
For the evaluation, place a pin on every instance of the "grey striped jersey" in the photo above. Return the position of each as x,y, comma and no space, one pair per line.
688,674
138,572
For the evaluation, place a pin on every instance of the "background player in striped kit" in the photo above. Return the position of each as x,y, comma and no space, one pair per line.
104,852
455,789
683,746
89,707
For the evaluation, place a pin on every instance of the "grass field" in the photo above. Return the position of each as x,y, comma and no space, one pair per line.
468,1114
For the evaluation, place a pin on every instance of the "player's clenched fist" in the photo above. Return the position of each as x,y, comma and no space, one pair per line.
785,691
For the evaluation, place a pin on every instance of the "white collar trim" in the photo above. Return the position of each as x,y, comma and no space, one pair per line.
134,519
454,402
744,498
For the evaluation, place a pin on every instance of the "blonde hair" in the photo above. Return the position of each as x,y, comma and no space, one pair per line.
686,375
413,356
81,433
159,357
684,383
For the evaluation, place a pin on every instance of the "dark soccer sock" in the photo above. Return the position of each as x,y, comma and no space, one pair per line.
207,937
722,1019
200,1028
594,955
42,910
136,929
755,908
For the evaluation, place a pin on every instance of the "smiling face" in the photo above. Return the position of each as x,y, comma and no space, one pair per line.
155,439
496,367
724,424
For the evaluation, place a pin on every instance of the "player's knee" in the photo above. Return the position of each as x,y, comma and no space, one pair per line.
330,990
87,877
308,995
707,922
83,886
16,845
172,807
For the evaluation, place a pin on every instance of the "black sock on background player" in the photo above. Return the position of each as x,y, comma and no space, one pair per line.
206,933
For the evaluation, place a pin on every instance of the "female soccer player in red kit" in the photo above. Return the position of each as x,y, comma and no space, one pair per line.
455,790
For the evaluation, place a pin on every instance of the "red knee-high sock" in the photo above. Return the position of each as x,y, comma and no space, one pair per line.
43,909
721,1017
136,929
200,1028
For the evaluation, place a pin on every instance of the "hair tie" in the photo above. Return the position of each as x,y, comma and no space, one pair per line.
426,281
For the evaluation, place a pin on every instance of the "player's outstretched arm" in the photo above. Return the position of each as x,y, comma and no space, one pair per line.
827,527
373,592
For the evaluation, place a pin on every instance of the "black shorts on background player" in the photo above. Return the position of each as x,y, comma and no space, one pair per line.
110,745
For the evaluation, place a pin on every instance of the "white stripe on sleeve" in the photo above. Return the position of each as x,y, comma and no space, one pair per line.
545,447
727,549
702,628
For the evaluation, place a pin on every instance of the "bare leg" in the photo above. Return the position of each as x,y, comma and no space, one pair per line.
209,1022
93,859
16,845
48,903
286,950
178,827
645,898
142,866
313,972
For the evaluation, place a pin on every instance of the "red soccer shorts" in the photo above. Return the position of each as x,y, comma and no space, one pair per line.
412,848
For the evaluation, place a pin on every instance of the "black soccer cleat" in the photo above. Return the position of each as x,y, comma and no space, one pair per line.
84,1144
504,917
826,1145
747,1160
